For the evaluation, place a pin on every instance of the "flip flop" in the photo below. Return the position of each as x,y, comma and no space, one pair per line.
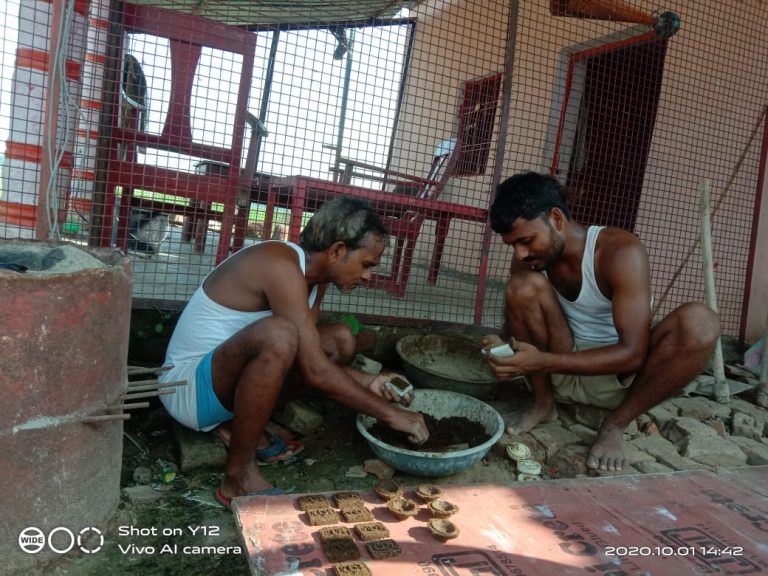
227,502
277,448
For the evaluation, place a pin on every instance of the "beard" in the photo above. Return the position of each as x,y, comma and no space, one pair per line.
552,254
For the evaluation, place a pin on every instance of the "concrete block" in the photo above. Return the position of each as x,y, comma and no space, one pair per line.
198,449
747,426
652,467
756,452
569,461
712,450
700,408
554,437
299,417
656,446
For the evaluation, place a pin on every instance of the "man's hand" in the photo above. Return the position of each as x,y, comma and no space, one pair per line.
412,423
491,340
527,359
379,387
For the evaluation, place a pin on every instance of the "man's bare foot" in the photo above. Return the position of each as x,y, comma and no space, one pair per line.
607,453
248,481
531,418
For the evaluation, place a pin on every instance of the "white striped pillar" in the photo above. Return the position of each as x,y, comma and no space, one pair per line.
21,213
84,173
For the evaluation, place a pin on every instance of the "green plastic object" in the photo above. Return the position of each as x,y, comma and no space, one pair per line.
353,323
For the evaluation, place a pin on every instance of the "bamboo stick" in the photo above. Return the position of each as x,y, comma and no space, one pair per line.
722,393
762,387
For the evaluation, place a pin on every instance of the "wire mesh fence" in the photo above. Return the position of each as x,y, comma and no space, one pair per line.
181,133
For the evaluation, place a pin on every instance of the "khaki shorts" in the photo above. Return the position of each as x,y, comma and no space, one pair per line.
602,390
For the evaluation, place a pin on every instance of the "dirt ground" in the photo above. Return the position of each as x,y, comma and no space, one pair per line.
187,502
170,527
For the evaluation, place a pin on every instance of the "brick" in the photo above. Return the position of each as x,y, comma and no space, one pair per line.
719,427
554,437
628,471
700,408
661,415
756,452
677,462
591,416
656,446
568,462
747,426
713,450
653,467
381,470
759,414
636,455
684,427
586,433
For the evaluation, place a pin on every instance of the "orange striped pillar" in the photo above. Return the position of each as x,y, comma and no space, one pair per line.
84,174
39,154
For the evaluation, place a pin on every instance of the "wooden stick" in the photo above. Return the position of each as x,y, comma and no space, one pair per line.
722,393
103,418
720,200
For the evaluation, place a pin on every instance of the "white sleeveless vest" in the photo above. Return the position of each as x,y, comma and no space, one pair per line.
204,324
590,316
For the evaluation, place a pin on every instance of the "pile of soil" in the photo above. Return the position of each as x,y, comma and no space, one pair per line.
445,434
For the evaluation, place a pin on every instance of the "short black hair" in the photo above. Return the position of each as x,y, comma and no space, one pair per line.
527,195
342,219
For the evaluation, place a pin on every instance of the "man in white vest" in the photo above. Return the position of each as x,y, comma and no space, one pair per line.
253,321
578,317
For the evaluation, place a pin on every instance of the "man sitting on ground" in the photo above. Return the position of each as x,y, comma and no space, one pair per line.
253,319
578,315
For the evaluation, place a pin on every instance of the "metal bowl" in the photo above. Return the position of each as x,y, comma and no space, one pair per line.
440,404
445,362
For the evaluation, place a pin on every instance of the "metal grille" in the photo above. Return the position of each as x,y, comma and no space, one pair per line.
117,130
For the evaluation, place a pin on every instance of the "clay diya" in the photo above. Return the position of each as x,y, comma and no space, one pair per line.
428,492
388,489
403,508
442,508
443,529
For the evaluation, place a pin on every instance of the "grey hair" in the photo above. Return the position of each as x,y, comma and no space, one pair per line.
342,219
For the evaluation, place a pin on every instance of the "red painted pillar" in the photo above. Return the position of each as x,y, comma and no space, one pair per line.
47,82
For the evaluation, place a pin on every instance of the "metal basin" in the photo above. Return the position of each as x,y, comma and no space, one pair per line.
438,403
447,362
